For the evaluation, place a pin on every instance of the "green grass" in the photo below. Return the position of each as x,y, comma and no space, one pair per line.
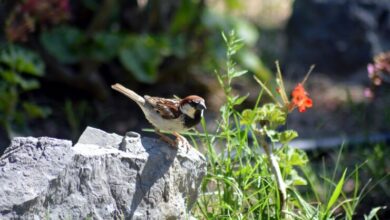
251,178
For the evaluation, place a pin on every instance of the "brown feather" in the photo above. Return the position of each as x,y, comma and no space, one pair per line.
167,108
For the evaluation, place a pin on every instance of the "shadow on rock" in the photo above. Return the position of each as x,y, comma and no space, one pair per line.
152,172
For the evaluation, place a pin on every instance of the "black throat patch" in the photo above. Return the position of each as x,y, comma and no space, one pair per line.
191,122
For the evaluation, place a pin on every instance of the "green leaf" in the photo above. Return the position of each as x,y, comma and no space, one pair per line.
9,76
310,210
28,84
282,137
295,179
64,43
247,117
105,46
287,136
70,45
8,101
272,134
297,157
141,56
15,79
238,100
35,111
238,74
184,16
21,60
224,38
373,212
336,193
291,158
271,113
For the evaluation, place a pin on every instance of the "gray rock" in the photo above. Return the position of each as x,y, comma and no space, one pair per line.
338,36
103,176
100,138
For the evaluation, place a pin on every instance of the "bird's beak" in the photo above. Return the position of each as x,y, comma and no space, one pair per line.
201,106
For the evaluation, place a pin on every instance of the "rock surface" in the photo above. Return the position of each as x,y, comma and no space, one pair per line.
337,35
103,176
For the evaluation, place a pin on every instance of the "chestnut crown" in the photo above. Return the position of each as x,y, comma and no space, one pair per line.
192,104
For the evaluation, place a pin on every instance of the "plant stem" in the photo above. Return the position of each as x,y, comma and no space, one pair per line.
278,175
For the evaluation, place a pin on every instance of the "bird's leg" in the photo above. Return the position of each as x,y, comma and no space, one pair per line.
166,139
181,139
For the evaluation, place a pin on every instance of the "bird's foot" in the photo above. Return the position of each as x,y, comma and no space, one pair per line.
167,140
181,141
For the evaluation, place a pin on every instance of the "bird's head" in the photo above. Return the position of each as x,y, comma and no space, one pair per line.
191,105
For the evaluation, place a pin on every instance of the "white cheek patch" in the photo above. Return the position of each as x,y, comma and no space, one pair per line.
188,110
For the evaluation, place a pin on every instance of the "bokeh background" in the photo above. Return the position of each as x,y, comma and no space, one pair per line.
59,57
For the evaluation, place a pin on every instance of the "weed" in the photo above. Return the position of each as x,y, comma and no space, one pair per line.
257,173
19,70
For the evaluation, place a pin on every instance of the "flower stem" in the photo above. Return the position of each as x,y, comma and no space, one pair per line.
278,175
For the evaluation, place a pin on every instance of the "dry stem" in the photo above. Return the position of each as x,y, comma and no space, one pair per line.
278,175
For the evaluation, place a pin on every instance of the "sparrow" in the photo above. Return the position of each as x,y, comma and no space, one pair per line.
173,115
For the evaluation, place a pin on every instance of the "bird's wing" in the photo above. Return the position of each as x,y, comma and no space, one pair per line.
167,108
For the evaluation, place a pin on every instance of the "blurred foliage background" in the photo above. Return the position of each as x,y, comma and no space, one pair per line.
58,59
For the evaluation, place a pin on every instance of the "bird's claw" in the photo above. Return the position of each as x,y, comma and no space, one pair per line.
182,141
178,142
167,140
170,142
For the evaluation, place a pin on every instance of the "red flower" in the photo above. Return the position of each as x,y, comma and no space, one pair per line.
300,99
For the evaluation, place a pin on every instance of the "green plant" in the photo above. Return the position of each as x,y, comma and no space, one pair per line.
253,173
379,165
76,114
155,41
19,70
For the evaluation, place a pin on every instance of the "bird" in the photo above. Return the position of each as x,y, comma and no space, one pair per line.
173,115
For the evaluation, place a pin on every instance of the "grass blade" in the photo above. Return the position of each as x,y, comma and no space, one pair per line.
336,193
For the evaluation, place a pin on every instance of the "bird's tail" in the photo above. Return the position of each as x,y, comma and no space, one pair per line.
129,93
